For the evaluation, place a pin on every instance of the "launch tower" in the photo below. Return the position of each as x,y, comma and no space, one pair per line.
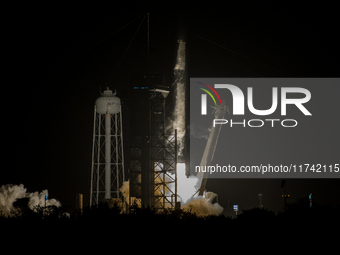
153,152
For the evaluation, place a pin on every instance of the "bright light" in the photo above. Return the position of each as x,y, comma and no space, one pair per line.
185,186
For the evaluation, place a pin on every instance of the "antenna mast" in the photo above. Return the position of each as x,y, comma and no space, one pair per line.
148,29
147,43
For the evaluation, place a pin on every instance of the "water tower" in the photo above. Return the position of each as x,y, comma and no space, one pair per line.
107,172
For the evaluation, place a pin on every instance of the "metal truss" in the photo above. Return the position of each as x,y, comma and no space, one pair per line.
163,156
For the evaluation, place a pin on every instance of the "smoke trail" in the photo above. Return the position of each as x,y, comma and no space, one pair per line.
10,193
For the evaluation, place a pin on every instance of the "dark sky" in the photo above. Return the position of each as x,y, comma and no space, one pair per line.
57,58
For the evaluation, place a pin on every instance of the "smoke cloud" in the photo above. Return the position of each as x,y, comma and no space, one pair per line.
203,206
199,205
10,193
125,190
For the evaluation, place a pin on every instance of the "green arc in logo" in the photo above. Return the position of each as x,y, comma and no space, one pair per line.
208,94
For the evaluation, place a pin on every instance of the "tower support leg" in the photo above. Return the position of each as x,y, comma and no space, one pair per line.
107,156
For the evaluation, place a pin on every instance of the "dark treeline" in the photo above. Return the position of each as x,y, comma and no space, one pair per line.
144,229
103,228
103,215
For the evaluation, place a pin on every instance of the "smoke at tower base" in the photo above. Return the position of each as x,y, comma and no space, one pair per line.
200,205
10,193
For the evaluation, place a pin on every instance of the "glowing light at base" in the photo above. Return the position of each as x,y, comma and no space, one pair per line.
185,186
187,192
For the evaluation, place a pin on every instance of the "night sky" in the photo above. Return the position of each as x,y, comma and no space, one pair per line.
59,57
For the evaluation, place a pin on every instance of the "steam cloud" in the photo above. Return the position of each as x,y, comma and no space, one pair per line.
10,193
203,206
200,205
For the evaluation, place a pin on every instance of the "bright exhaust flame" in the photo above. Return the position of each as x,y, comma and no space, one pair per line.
185,186
186,190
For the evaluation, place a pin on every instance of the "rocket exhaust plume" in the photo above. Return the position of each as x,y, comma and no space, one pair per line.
10,193
199,205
